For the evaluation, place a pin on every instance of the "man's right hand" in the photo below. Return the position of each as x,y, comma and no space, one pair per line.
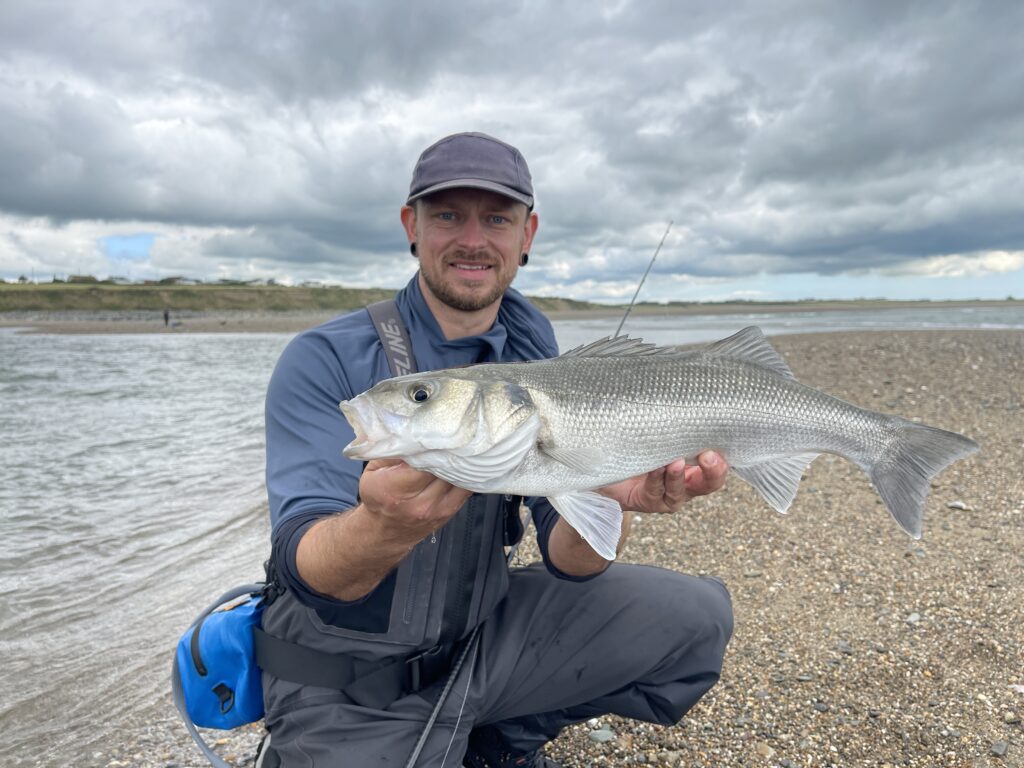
408,504
347,555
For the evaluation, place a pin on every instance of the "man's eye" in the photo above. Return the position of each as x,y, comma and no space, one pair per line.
446,216
498,219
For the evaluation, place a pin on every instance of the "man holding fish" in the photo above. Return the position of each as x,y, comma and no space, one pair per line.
398,576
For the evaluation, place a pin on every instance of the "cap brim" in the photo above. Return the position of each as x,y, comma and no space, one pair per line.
490,186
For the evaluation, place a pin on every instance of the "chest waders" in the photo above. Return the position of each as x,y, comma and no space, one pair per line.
433,602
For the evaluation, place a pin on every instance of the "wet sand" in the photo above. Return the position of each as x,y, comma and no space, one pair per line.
152,322
854,645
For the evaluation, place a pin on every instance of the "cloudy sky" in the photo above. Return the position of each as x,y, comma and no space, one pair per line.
802,149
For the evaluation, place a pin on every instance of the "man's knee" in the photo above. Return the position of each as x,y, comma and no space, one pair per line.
697,605
714,609
698,612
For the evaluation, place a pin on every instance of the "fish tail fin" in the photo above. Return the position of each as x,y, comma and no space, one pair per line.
903,474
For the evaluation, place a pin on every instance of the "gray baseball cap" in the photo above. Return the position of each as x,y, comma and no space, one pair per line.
472,160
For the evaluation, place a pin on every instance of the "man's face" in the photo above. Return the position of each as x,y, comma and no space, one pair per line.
469,242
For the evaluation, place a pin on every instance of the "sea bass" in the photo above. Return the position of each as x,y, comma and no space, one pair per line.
617,408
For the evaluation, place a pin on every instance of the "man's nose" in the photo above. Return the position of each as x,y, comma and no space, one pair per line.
471,234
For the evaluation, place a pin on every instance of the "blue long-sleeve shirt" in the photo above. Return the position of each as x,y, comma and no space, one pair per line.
308,478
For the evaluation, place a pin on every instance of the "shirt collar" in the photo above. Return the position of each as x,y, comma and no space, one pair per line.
485,347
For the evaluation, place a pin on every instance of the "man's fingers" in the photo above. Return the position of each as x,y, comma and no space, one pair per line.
675,491
455,497
375,464
708,475
654,483
405,482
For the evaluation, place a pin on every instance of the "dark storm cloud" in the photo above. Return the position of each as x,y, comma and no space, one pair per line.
779,137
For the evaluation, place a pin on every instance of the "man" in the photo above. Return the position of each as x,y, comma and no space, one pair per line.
389,570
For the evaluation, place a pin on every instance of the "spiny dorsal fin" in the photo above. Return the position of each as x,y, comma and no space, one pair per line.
619,346
750,346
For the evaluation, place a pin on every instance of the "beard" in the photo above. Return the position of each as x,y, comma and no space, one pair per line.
464,300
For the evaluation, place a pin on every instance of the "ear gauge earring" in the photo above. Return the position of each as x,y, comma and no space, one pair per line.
412,248
523,259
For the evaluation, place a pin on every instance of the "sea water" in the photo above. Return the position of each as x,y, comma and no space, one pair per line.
132,494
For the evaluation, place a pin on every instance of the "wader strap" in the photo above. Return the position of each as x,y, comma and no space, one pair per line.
373,684
387,321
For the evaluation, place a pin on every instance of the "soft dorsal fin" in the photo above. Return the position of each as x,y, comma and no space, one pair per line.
750,346
619,346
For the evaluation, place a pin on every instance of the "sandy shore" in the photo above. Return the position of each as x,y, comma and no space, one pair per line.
153,322
854,645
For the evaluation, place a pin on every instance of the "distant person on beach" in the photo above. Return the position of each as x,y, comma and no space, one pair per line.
387,571
167,316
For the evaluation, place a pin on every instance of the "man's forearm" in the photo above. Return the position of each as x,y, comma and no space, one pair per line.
348,554
571,554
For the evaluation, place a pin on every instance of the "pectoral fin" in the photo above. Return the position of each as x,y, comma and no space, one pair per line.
596,518
585,460
778,478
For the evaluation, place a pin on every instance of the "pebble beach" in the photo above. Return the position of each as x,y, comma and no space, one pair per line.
854,645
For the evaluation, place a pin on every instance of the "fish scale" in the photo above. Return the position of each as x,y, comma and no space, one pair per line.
686,410
618,408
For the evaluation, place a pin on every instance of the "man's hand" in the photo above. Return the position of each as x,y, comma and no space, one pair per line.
348,554
408,504
667,489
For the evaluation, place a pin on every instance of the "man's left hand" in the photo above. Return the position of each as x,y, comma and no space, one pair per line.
667,489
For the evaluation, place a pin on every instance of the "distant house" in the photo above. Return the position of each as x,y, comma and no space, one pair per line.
82,279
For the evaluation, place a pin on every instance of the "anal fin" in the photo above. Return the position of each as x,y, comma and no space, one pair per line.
778,478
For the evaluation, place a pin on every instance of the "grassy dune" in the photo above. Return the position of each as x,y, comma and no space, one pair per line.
57,297
69,297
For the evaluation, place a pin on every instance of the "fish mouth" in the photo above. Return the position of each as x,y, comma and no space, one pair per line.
373,438
352,415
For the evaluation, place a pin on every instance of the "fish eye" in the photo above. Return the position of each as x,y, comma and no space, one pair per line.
419,392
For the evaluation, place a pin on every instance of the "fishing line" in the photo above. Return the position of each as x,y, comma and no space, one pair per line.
462,709
471,645
641,285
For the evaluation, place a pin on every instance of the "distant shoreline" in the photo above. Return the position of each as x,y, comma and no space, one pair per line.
745,308
116,321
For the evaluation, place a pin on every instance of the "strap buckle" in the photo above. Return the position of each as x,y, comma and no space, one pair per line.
422,669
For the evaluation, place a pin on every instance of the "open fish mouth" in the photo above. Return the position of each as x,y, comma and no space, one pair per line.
367,427
362,440
375,437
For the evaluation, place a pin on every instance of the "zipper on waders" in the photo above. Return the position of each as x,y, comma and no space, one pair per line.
410,593
466,566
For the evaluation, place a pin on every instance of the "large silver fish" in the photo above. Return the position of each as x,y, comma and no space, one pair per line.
618,407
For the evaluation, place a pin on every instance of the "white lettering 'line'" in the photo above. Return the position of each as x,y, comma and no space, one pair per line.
400,355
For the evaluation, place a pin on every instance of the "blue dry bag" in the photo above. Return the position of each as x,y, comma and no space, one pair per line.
215,680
